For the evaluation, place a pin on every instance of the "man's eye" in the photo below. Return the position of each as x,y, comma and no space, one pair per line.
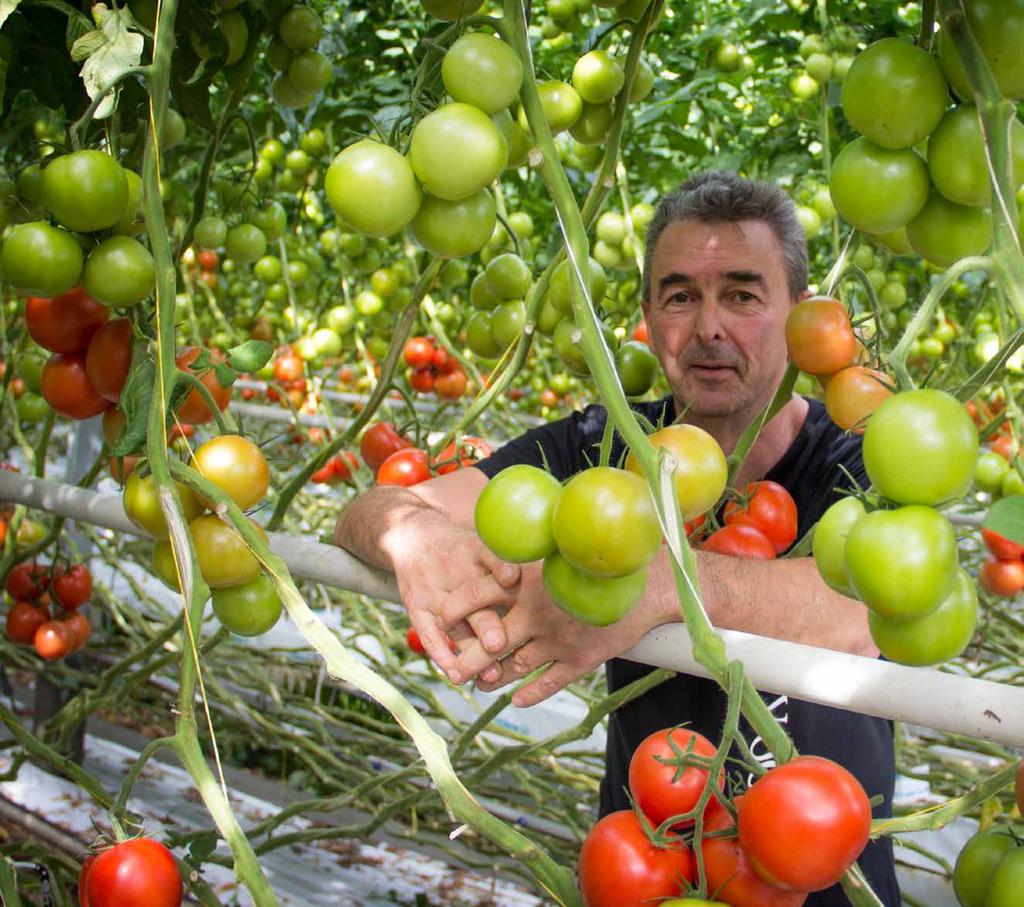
744,296
678,298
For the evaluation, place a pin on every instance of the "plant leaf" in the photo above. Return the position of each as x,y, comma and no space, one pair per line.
109,51
250,356
1006,516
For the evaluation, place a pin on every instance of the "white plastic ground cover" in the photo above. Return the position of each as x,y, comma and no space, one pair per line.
349,874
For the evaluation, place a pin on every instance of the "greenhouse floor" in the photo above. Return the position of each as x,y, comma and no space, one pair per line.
343,873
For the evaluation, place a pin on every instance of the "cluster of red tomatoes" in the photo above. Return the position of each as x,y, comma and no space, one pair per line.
290,377
395,460
91,354
1003,573
433,369
821,342
761,525
796,830
36,588
138,871
206,270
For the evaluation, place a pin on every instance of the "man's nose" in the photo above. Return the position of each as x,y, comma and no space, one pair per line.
709,323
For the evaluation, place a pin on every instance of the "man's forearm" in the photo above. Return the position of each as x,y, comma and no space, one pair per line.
368,525
784,599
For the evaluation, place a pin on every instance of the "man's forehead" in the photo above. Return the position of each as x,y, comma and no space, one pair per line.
748,237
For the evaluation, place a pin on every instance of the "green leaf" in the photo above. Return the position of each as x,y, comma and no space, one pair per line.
1006,517
109,51
6,8
6,52
134,402
226,375
201,848
250,356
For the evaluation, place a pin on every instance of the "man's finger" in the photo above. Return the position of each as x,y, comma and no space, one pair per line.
515,667
476,594
434,639
555,678
489,629
475,657
505,573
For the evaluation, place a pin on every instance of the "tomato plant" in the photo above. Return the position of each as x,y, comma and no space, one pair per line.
407,466
236,466
250,609
65,323
379,442
740,540
138,871
65,386
72,588
27,580
661,782
23,619
109,357
769,508
195,410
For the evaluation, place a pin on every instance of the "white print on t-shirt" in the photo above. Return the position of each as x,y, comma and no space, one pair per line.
757,746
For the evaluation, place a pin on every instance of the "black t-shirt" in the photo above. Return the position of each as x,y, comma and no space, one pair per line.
811,470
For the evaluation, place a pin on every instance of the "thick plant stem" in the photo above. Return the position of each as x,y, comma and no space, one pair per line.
557,881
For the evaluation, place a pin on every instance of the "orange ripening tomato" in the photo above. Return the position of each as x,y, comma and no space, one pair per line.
1002,578
1001,547
194,410
740,541
768,507
853,394
450,385
471,450
408,466
819,336
641,333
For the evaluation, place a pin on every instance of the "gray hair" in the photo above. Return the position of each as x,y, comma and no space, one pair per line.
716,197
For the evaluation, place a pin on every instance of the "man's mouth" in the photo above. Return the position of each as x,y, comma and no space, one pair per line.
712,368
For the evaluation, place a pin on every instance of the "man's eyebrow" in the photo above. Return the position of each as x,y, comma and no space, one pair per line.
673,278
679,277
746,277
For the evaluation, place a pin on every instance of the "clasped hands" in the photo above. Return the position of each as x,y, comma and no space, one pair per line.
498,615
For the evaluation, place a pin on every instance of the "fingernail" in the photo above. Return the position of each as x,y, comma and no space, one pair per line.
491,674
492,640
454,676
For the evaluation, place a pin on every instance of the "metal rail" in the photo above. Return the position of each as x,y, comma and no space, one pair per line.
934,699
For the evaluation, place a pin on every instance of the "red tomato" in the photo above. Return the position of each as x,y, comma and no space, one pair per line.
472,450
450,385
27,581
422,380
804,823
1005,447
194,410
72,588
640,333
379,442
663,790
770,508
413,641
109,357
289,367
621,867
729,875
819,336
548,398
442,361
1001,547
740,541
65,323
23,620
53,640
337,469
1002,578
418,352
65,385
80,629
140,871
207,259
408,466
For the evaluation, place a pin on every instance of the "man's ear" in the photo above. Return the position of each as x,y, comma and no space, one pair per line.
806,294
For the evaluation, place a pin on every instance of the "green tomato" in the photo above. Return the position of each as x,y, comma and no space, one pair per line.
605,523
32,408
131,222
314,142
643,82
803,87
591,128
998,27
819,67
611,228
250,609
517,140
119,272
561,104
944,232
30,368
829,543
876,189
513,515
163,565
236,32
41,260
327,342
267,269
372,188
455,229
893,295
450,10
456,151
956,156
594,600
507,322
549,318
637,366
341,318
920,447
1007,881
597,77
521,223
245,243
895,93
480,338
607,256
809,220
211,232
368,304
902,563
976,863
85,190
1013,483
300,28
309,72
142,504
509,276
482,70
934,638
559,288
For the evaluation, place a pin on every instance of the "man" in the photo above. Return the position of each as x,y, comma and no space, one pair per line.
726,261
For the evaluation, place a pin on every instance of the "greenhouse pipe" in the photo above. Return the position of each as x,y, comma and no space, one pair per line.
934,699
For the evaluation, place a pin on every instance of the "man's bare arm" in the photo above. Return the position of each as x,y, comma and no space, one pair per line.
425,535
784,599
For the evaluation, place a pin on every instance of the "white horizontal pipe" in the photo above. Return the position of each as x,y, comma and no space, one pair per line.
923,696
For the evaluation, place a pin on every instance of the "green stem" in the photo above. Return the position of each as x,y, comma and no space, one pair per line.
8,884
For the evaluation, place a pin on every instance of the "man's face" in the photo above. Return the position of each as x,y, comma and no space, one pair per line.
717,315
